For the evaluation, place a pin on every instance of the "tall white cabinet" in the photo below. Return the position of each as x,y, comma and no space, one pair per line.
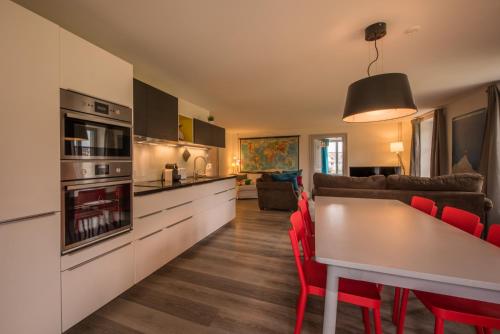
90,70
29,173
29,113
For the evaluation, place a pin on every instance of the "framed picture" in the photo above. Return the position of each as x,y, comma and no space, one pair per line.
269,153
467,141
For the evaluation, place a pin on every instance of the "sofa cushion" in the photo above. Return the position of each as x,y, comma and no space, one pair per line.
287,177
336,181
468,182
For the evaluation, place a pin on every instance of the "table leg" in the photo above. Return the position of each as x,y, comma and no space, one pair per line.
332,291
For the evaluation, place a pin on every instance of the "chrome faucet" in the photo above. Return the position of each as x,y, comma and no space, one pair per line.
195,172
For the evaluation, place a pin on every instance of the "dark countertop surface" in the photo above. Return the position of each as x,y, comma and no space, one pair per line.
151,187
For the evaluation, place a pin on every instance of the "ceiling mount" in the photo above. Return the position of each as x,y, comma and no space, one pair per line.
375,31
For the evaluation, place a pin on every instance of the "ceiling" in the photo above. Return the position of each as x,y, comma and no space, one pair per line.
278,64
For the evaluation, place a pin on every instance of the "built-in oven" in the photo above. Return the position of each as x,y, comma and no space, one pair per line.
94,129
96,201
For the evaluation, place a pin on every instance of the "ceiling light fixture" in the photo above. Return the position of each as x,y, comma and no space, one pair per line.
378,97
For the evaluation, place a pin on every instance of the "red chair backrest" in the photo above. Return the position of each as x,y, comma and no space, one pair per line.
298,261
298,227
434,211
461,219
494,235
424,204
306,216
478,231
305,196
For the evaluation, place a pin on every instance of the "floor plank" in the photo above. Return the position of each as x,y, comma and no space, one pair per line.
241,279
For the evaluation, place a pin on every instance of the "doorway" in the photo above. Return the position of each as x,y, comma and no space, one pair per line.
328,154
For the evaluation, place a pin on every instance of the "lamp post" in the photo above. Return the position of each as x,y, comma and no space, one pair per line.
397,147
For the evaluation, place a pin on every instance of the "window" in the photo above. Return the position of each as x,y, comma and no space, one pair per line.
425,146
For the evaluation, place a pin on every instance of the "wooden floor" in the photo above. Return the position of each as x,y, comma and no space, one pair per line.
241,279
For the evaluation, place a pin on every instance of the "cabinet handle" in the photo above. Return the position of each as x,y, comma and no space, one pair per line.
40,215
232,199
150,214
180,221
98,257
220,192
179,205
150,234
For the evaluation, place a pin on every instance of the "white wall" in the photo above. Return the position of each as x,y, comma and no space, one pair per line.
367,144
464,104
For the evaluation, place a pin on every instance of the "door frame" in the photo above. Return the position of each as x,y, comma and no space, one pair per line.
345,160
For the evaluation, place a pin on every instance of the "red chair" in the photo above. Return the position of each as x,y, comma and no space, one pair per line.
312,276
461,219
306,215
494,235
305,196
298,227
484,316
308,224
424,204
427,206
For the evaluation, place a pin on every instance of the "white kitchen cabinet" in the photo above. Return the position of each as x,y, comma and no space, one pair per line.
29,116
87,253
150,253
170,222
90,285
93,71
180,236
156,220
30,297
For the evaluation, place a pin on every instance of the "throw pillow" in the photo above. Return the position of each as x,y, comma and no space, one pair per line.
286,177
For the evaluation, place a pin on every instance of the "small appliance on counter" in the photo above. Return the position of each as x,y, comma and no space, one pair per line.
175,172
167,176
182,172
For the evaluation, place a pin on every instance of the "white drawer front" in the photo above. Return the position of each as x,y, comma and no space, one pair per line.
147,204
150,254
91,285
180,236
85,254
224,185
161,219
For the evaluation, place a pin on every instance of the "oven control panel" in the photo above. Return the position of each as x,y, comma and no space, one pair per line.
79,170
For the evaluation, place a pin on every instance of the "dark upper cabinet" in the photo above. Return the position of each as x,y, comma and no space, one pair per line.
219,136
140,108
209,134
155,112
162,115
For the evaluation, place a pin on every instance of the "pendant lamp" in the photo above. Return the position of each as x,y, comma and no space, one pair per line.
378,97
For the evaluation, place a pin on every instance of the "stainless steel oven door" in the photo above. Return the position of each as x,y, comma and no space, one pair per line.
94,211
85,136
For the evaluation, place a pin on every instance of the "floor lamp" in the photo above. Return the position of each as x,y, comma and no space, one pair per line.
397,147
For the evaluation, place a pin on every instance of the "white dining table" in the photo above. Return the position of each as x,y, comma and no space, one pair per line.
391,243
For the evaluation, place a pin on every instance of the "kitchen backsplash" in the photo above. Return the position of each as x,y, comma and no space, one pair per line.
150,159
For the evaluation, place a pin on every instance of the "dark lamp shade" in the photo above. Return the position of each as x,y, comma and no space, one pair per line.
378,98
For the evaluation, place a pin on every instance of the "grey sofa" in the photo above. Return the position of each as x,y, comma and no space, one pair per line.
462,191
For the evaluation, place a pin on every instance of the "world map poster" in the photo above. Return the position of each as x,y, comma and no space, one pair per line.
269,153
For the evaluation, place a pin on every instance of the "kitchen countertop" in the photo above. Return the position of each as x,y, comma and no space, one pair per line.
151,187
